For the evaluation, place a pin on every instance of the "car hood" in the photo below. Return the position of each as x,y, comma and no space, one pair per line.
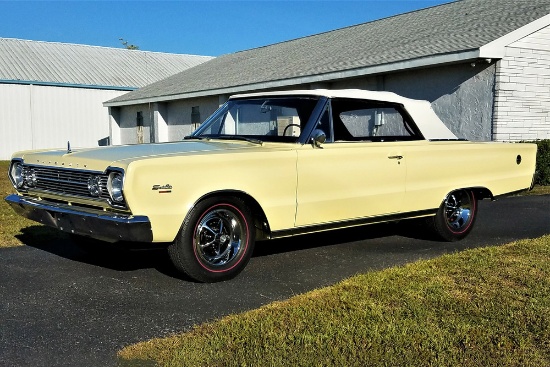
98,159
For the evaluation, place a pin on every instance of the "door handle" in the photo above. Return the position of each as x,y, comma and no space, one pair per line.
395,157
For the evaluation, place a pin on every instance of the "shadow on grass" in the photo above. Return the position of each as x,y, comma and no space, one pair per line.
130,257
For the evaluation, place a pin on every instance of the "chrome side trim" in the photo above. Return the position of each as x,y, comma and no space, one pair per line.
103,225
352,223
69,199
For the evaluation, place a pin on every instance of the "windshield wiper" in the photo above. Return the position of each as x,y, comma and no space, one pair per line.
239,137
191,137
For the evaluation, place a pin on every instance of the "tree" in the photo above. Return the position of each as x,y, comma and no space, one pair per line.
128,46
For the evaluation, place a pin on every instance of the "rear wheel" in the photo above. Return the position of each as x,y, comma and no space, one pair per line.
216,240
456,216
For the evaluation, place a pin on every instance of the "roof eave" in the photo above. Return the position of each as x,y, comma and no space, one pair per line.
497,48
68,85
422,62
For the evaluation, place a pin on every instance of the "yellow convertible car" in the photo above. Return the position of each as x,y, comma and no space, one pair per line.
271,165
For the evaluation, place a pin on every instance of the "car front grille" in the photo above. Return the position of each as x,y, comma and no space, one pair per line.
67,182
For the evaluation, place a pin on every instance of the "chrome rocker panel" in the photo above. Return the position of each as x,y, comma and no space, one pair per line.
110,227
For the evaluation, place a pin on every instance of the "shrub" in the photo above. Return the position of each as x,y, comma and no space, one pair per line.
542,175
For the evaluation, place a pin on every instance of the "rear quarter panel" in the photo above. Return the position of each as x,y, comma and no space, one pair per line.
436,168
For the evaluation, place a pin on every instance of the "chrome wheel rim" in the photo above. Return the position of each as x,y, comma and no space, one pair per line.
458,210
218,237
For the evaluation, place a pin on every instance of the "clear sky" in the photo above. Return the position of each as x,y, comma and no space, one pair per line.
206,27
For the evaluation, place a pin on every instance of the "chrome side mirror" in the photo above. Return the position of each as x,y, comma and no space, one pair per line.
318,138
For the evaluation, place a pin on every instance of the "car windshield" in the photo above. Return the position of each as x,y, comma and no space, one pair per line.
259,119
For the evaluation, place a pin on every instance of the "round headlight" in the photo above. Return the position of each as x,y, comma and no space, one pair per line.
29,176
16,174
114,185
94,186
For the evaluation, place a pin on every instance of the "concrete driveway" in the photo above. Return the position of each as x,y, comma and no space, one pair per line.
61,307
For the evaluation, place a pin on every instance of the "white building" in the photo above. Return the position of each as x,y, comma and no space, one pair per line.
51,93
483,64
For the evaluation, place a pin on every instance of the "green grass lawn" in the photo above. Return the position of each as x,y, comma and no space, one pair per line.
482,307
538,190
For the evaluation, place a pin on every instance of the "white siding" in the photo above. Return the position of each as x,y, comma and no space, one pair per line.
40,117
522,91
15,119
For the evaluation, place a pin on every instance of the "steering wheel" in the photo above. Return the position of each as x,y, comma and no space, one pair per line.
289,125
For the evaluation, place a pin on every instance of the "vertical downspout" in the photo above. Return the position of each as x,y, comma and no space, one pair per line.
152,129
495,95
381,83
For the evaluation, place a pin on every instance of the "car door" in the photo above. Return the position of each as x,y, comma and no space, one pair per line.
346,181
360,172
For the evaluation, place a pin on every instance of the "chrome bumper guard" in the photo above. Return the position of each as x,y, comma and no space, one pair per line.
97,224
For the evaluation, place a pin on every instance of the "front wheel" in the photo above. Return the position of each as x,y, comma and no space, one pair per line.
456,216
216,240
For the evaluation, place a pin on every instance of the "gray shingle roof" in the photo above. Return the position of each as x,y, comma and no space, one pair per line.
441,30
25,61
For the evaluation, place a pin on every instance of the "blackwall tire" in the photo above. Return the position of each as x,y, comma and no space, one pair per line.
216,240
456,216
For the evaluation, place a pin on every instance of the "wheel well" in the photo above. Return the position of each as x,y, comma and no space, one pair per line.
263,230
481,193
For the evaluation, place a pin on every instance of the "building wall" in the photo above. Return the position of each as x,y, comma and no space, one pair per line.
461,94
179,115
41,117
522,103
162,122
124,124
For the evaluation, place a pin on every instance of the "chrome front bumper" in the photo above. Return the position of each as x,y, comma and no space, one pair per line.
98,224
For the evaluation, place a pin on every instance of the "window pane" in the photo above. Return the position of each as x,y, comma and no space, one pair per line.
363,120
374,122
262,117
